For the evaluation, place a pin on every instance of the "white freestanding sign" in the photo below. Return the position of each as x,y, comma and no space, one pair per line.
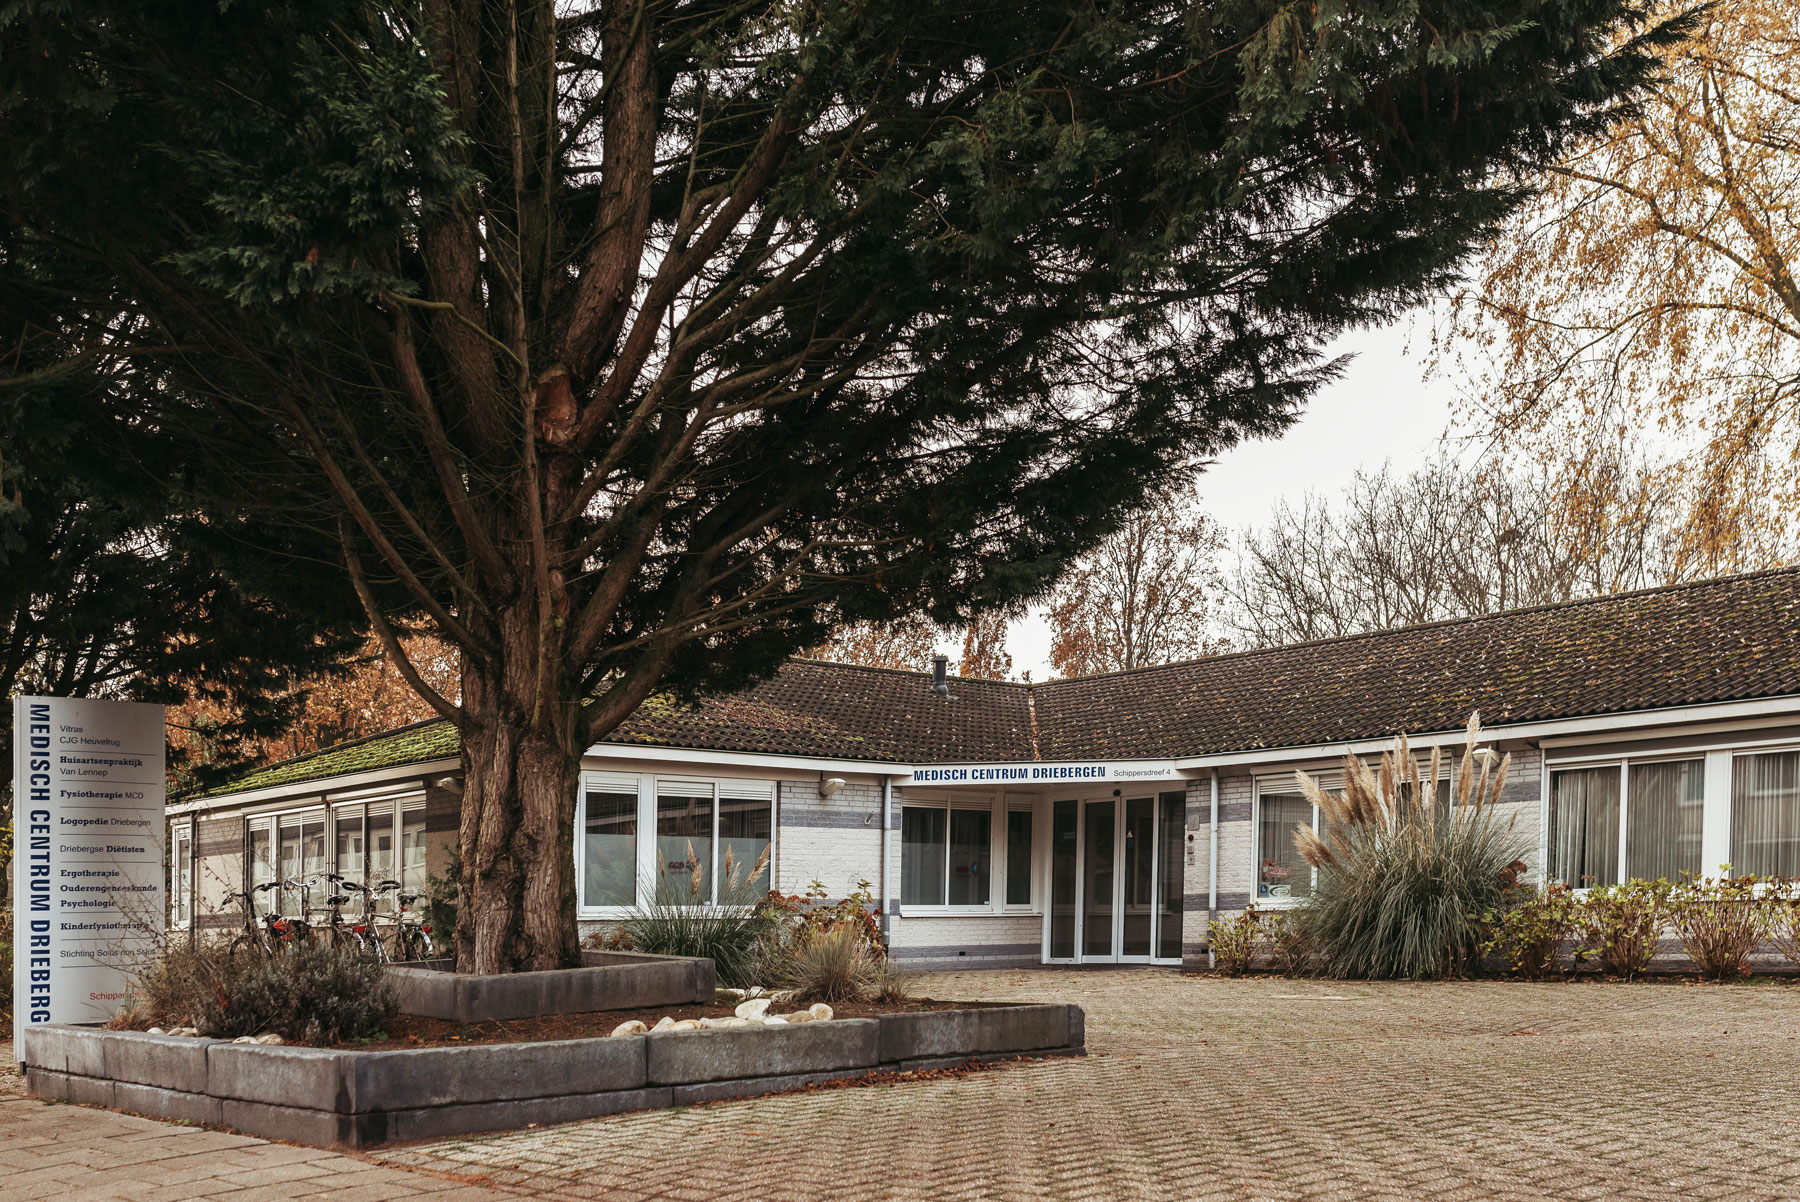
88,834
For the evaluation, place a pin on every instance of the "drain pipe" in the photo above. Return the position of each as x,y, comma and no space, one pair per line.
887,825
1212,867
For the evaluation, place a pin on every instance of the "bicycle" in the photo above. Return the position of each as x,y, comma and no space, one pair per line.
255,934
367,929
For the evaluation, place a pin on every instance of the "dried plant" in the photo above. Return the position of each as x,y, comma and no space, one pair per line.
726,931
1720,921
1784,917
1408,888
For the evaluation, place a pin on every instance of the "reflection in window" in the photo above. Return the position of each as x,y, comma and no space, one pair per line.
1584,826
1765,814
684,848
1662,829
609,857
746,825
260,852
349,826
1280,871
924,847
1169,834
969,866
412,847
181,873
1018,857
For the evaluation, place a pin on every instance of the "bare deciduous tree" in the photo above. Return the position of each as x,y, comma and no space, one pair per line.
1144,596
1449,542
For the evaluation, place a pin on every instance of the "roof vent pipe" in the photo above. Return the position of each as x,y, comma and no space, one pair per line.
940,667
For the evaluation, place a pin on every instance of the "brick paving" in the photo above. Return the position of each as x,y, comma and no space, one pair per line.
1200,1089
1194,1089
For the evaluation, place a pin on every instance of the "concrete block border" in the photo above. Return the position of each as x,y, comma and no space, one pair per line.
356,1099
605,981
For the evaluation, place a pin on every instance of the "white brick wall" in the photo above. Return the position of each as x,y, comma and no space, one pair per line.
972,941
834,840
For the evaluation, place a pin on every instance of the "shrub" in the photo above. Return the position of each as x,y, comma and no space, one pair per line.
6,961
311,993
1235,942
727,931
1720,921
1290,951
1618,925
1404,890
314,993
1783,906
834,965
807,914
891,984
1530,935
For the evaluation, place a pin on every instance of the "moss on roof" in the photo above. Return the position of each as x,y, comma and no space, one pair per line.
433,739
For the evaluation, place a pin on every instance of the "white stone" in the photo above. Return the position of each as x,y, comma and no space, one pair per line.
781,995
686,1024
270,1038
775,1020
663,1024
245,1039
156,1031
754,1008
731,1024
798,1016
734,992
821,1012
631,1026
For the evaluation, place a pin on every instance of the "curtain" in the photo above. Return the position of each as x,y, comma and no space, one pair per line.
1765,814
1662,832
1584,826
1281,872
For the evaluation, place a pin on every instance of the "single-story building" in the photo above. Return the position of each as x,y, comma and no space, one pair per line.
1105,819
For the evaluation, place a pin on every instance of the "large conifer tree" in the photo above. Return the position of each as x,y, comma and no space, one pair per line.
636,343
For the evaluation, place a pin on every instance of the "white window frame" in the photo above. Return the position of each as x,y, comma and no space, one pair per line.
995,804
1009,805
647,786
397,804
1625,764
182,874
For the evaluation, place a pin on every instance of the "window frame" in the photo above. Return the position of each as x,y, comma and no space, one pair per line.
997,804
397,804
647,787
182,875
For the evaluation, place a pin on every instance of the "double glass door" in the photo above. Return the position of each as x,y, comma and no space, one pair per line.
1115,879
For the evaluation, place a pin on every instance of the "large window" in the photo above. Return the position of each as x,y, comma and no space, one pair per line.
1280,870
1584,826
1617,822
946,855
1765,814
679,842
357,840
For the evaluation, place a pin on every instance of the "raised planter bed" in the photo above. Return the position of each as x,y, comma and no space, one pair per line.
605,981
355,1099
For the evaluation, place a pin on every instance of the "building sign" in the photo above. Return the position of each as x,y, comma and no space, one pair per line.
1095,772
88,835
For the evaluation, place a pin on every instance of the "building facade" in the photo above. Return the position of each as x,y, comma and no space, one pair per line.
1102,819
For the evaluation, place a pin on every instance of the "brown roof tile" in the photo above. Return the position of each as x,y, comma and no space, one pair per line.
1719,640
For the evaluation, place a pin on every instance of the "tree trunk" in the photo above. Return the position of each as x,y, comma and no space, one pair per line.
521,768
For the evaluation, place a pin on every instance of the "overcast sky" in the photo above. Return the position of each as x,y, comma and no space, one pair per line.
1382,409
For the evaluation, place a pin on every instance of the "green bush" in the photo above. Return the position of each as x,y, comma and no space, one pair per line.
1404,890
729,932
1235,942
314,993
1720,921
1531,934
1618,925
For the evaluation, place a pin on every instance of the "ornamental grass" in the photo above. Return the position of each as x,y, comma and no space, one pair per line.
1408,889
680,920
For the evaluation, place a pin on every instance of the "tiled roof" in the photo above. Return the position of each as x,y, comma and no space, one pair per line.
1719,640
843,711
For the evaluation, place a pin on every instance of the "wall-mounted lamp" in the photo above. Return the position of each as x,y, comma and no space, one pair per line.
451,784
829,786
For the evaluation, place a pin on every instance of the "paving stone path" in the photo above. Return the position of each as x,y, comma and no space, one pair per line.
1195,1089
1200,1089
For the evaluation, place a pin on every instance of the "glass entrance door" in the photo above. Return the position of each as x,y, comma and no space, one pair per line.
1115,879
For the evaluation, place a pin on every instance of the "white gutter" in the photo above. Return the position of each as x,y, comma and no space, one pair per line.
887,824
744,759
318,786
1212,868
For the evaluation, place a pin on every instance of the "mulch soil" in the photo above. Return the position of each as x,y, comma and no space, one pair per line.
412,1031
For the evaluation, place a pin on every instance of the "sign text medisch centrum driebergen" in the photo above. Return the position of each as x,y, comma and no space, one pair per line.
985,774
